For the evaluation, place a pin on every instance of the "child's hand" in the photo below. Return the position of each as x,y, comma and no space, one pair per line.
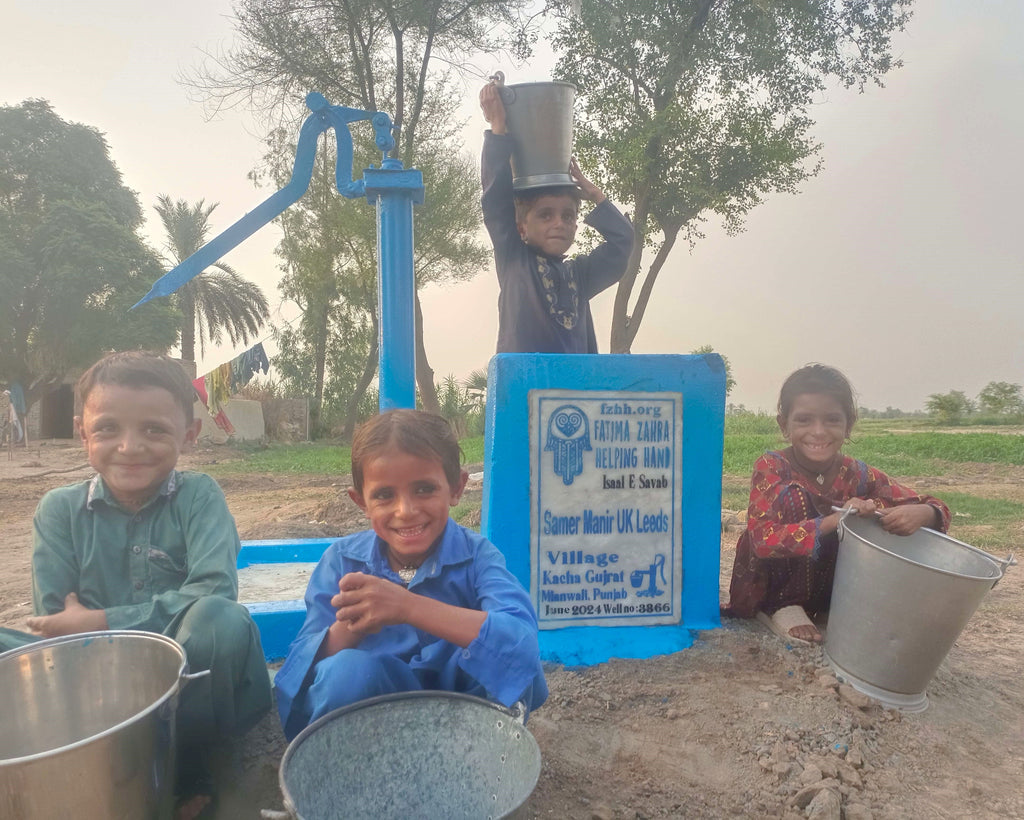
367,603
587,188
907,519
493,107
862,506
74,619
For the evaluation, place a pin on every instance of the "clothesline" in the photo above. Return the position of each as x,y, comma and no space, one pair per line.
215,387
269,335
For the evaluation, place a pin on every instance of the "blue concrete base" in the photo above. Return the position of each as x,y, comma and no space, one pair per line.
280,621
506,513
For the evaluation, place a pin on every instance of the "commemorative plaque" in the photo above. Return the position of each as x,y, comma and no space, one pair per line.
605,507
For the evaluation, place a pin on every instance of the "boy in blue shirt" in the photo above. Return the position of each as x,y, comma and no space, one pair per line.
544,298
417,601
144,546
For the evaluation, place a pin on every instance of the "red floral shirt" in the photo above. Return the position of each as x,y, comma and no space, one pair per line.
786,507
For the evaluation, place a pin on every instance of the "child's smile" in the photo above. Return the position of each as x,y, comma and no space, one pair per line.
816,427
133,437
407,499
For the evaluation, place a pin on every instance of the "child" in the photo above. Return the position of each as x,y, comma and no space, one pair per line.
143,546
544,298
415,602
786,559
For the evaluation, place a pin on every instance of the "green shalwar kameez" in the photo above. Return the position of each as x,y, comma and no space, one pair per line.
170,567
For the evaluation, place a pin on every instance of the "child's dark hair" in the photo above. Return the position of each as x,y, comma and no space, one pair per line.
139,369
408,431
822,379
525,200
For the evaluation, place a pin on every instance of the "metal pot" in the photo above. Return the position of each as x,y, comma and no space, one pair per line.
898,605
538,117
412,754
87,726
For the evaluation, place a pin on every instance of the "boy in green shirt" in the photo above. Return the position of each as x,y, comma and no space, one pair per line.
144,546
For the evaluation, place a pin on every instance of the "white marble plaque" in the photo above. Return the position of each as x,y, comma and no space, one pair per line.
605,497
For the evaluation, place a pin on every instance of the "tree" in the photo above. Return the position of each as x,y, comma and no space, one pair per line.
949,407
693,108
72,262
324,262
1001,398
210,303
730,382
377,55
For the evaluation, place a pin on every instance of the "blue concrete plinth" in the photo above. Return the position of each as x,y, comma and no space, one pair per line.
687,546
280,621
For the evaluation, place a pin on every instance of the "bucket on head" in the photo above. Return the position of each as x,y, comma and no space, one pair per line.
411,754
538,117
898,605
87,726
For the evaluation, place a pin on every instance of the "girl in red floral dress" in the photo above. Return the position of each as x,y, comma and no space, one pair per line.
786,558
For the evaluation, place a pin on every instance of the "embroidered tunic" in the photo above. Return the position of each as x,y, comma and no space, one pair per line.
781,558
544,302
169,567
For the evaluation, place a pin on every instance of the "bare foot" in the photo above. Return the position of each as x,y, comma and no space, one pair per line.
192,807
806,632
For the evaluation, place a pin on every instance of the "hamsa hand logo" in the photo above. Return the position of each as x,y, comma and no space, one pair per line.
568,437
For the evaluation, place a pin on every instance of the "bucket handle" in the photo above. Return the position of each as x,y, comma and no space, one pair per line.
517,711
191,676
170,706
846,511
1007,562
506,92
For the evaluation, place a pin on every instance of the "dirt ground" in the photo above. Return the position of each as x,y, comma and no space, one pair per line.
740,725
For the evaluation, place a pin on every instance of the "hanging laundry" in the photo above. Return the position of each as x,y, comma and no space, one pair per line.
18,399
245,365
219,417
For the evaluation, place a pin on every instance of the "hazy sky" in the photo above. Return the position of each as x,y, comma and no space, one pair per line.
900,263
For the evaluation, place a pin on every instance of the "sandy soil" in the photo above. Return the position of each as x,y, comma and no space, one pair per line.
740,725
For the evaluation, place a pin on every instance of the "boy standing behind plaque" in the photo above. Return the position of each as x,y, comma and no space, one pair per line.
544,299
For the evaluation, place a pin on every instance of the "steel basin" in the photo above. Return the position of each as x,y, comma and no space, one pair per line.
87,726
538,117
898,605
412,754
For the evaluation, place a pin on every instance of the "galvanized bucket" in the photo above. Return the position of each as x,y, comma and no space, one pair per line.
412,754
898,605
87,726
538,117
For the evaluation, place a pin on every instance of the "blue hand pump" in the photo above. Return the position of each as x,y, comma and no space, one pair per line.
393,188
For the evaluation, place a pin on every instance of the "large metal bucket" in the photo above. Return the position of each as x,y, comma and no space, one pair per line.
87,727
538,117
413,754
898,605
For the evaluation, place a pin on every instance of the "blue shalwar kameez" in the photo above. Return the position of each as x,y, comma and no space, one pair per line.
464,570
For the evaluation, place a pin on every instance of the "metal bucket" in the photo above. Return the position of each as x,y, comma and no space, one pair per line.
412,754
898,605
87,726
538,117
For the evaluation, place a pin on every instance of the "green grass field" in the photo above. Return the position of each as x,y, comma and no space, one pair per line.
898,447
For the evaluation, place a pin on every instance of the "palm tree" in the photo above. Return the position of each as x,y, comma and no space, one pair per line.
214,302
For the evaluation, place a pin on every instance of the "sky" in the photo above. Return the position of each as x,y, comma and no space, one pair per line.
901,263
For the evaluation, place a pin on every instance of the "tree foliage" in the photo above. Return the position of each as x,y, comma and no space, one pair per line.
1001,399
398,56
71,260
949,407
211,303
694,108
730,382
